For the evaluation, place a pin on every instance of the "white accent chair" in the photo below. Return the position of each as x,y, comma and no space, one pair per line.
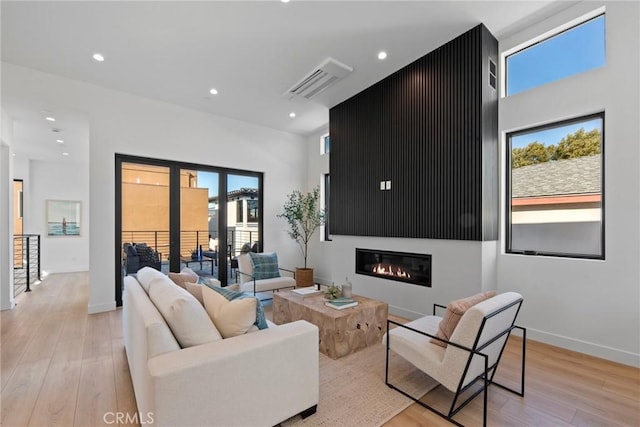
471,356
248,282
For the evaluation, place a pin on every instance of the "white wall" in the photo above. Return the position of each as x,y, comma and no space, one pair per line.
457,271
566,237
59,181
6,214
318,166
586,305
129,124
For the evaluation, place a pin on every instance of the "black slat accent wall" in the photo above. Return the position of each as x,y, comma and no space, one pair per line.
431,129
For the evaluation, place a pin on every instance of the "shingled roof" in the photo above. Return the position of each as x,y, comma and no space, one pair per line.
563,177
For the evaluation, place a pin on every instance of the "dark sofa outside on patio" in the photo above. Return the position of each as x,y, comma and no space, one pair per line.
139,255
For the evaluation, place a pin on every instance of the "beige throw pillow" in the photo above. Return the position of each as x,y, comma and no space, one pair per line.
232,318
195,289
455,311
185,316
185,275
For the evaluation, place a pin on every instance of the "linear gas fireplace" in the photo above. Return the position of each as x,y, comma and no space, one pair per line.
400,266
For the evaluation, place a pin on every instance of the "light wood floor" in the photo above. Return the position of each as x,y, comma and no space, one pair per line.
63,367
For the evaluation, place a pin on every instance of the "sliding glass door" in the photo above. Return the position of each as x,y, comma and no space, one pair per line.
243,218
170,215
199,220
144,216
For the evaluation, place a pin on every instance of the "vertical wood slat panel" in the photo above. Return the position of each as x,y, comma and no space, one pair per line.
423,129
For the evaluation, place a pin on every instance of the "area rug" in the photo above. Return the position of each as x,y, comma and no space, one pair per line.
353,392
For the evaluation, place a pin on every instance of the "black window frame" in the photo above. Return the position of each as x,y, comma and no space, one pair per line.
586,20
508,179
174,206
327,198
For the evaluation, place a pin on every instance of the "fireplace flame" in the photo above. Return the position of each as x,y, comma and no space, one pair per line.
391,270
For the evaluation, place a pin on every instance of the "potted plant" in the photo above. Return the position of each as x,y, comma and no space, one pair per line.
303,215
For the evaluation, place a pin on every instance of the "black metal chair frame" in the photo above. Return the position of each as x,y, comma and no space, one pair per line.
486,377
253,278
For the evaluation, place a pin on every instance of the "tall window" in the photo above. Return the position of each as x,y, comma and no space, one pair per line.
325,144
252,210
560,54
239,211
326,192
555,189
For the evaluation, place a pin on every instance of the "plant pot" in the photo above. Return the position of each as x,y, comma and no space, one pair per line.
304,277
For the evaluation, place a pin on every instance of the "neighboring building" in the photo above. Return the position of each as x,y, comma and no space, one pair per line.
145,209
557,191
242,217
557,206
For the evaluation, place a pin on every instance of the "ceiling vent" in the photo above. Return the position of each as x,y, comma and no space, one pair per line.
323,76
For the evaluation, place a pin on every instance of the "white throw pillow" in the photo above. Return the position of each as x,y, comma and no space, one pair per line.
232,318
145,275
186,317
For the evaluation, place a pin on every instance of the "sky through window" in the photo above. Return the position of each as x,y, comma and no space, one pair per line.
571,52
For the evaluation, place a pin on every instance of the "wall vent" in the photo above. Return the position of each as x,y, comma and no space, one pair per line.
493,73
323,76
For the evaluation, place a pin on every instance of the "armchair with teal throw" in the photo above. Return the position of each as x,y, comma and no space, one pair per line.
260,272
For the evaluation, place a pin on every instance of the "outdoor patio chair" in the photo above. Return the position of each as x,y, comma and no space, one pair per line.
139,255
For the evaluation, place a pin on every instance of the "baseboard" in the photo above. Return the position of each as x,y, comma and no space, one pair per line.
100,308
11,306
67,270
597,350
402,312
322,281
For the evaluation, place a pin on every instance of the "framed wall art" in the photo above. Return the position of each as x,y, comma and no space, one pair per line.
63,218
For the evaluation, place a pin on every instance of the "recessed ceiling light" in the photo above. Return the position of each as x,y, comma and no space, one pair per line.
292,114
285,1
60,141
13,154
382,55
65,154
51,119
98,57
213,91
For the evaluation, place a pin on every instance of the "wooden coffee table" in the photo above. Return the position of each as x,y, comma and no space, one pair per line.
342,332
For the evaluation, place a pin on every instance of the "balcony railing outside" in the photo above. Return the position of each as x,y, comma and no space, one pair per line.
26,260
158,240
191,241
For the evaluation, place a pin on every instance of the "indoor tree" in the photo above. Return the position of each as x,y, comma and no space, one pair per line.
304,215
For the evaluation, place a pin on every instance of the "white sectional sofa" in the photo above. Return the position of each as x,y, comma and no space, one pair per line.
260,378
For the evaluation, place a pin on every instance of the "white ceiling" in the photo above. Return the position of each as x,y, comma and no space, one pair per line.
252,52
